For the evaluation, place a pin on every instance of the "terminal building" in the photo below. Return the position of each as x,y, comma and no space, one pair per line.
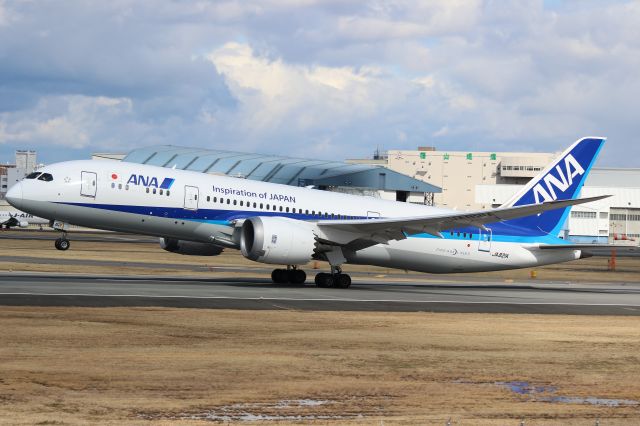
25,163
483,180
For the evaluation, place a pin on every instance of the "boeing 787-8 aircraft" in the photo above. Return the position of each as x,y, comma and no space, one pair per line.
284,225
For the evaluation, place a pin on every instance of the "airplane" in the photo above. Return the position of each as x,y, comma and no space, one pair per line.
284,225
12,218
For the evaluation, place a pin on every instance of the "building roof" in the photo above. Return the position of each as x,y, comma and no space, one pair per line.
278,169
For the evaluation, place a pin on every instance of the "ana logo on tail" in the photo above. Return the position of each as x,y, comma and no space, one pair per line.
562,182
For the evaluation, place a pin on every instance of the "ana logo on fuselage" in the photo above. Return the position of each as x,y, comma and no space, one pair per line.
562,182
150,181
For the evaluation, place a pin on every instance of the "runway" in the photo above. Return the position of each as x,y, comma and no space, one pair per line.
18,289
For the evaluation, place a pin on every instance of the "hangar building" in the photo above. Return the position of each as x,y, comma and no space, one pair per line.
330,175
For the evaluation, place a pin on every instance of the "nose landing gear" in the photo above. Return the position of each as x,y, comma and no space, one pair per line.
62,243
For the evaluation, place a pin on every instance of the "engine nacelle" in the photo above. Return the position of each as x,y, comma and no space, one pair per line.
190,248
277,240
23,224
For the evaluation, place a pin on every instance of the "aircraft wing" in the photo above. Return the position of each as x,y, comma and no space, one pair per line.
380,231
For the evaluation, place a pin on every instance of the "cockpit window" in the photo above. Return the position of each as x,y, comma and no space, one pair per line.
32,175
46,177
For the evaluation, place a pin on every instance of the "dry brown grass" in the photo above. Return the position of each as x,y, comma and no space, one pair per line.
126,365
137,365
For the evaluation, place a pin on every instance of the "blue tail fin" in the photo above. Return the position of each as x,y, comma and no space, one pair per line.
562,179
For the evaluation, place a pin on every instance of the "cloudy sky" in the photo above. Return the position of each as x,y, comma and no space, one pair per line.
321,79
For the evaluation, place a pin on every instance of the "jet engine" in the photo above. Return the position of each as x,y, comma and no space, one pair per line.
191,248
277,240
13,221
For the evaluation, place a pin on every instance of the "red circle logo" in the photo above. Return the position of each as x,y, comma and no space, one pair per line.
114,176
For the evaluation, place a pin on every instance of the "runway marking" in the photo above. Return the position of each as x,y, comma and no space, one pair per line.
289,299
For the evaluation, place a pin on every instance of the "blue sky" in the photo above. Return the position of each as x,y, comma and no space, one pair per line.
320,79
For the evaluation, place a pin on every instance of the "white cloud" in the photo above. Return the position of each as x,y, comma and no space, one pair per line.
274,94
321,78
5,15
68,121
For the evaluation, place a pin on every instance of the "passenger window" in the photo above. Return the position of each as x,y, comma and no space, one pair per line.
32,175
147,190
215,199
274,207
161,191
120,187
154,191
241,203
287,209
208,198
168,192
280,208
235,202
228,200
126,187
113,185
255,205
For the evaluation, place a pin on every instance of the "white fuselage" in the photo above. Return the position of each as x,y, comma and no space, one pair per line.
193,206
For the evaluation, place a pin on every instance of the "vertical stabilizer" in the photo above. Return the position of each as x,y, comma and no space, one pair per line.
562,179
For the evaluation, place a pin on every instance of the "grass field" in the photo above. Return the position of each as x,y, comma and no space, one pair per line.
135,365
167,366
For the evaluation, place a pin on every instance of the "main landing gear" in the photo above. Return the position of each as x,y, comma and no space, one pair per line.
289,275
293,275
63,243
335,279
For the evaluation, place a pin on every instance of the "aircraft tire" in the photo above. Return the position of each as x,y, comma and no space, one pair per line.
324,280
62,244
279,276
297,276
342,281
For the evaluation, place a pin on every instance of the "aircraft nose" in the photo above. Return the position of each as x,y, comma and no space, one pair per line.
14,195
